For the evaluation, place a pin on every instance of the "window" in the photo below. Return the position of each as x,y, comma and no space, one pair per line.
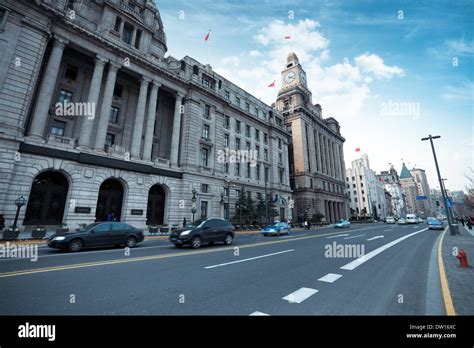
226,167
279,122
137,39
102,227
354,185
247,131
248,170
237,143
237,101
227,95
256,111
266,174
257,150
355,199
237,126
259,196
183,65
310,183
118,21
281,174
237,169
247,107
204,188
347,178
71,71
324,185
279,143
64,96
205,131
205,82
265,155
226,140
237,193
204,157
257,170
219,84
265,138
58,128
360,177
361,184
226,121
109,139
226,191
353,178
363,199
207,111
114,114
247,145
257,135
127,33
195,70
363,192
203,209
280,158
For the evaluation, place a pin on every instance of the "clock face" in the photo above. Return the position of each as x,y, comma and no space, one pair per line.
303,77
290,77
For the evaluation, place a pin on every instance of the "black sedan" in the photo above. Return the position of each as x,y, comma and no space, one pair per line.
98,234
202,232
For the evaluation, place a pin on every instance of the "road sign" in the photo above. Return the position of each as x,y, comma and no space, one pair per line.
421,198
449,204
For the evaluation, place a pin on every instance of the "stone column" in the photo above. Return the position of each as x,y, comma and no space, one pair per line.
134,36
139,119
45,95
331,158
176,130
105,109
326,154
150,124
318,152
338,163
92,98
321,152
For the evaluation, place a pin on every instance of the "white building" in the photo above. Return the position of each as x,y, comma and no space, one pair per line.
391,182
366,192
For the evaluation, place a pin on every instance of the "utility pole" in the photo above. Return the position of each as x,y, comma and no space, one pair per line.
453,228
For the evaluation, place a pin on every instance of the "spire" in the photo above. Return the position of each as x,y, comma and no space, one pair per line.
405,174
292,58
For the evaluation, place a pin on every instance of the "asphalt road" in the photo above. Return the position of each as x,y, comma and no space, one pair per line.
286,275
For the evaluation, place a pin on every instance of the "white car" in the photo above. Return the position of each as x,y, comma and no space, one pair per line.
412,219
390,220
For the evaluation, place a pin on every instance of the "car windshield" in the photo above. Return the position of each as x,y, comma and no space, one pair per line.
341,221
88,227
196,223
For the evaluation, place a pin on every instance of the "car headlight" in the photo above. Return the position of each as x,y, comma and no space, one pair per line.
59,238
184,233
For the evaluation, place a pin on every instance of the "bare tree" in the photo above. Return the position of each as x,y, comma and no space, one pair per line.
469,196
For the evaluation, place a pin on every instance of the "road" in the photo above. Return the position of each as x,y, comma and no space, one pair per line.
286,275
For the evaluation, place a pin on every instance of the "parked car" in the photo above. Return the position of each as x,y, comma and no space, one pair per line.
203,231
390,220
420,220
402,221
412,219
98,234
277,228
435,224
342,224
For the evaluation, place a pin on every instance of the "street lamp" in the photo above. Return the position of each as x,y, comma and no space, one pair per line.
193,203
453,229
19,202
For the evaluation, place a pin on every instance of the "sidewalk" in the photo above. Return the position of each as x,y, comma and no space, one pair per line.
460,280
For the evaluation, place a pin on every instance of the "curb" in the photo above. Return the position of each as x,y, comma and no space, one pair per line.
448,301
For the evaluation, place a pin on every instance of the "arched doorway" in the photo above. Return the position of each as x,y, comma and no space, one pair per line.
47,199
110,200
156,205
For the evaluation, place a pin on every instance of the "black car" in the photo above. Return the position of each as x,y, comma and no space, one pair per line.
202,232
98,234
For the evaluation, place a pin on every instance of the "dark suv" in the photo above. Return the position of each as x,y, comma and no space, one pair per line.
202,232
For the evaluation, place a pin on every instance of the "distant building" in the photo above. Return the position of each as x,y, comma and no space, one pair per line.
388,203
425,206
409,189
367,197
392,185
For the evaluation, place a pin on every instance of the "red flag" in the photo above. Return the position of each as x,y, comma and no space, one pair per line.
357,149
208,35
287,37
272,84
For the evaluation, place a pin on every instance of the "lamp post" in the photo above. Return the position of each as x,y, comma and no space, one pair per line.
193,203
453,229
266,196
19,202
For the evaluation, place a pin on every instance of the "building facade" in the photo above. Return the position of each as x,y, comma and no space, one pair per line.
425,206
391,183
410,190
367,194
316,152
94,119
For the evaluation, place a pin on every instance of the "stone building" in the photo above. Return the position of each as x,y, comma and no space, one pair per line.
410,190
316,153
95,119
392,185
425,206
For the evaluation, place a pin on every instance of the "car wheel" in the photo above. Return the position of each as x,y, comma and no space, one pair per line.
228,239
131,242
75,245
196,243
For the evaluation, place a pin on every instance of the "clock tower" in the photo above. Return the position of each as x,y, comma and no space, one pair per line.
294,91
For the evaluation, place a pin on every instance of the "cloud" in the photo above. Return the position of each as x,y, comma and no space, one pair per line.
464,92
374,65
255,53
460,47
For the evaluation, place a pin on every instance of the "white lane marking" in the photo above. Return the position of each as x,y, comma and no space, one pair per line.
357,262
376,237
339,235
330,278
360,235
300,295
257,313
387,230
249,259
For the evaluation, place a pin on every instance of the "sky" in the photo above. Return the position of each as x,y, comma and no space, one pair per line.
391,72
